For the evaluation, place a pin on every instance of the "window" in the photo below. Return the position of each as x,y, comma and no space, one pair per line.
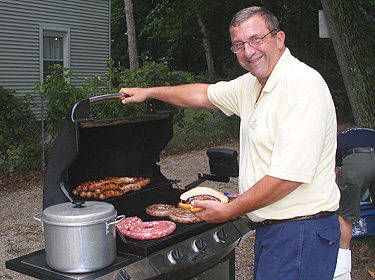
54,48
52,52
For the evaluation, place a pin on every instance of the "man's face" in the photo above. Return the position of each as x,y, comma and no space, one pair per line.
260,60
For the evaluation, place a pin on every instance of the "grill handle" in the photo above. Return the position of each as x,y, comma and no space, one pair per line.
81,109
106,97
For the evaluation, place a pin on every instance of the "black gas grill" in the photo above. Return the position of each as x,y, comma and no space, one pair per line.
88,150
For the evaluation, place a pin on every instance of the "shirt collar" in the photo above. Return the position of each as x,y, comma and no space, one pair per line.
277,71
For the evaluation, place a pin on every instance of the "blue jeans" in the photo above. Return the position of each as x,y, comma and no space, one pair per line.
300,250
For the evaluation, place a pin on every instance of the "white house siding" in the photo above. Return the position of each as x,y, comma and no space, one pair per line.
88,24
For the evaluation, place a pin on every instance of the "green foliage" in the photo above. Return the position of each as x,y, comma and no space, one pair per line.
59,94
15,143
98,85
207,124
153,74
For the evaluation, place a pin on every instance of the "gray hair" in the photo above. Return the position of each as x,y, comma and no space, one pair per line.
245,14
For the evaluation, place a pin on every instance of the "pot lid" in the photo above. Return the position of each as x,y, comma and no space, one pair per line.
78,211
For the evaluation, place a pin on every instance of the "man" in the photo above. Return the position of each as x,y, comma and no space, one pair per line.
287,150
355,173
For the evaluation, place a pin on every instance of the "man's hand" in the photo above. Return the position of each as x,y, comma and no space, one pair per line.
265,192
134,95
213,212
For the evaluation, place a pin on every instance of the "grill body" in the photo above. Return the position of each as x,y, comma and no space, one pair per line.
88,150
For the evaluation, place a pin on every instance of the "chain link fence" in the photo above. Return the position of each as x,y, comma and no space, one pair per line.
25,155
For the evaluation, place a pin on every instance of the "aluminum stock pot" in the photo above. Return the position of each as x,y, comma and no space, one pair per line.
79,236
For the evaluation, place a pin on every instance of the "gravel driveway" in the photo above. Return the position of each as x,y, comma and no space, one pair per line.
21,234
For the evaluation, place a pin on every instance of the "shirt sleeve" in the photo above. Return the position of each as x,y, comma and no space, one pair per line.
306,131
229,96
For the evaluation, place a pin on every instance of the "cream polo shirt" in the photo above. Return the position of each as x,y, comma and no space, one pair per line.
289,133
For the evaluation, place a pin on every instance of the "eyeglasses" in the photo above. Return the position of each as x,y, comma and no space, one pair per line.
254,42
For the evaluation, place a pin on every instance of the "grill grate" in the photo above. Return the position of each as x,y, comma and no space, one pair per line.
145,248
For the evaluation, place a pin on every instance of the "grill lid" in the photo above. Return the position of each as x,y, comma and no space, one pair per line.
91,150
78,212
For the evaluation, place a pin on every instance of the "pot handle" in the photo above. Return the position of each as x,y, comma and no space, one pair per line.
36,217
117,220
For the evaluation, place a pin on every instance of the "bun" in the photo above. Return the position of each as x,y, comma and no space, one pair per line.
200,193
189,207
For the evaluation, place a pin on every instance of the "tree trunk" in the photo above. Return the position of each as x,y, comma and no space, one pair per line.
355,55
207,48
132,38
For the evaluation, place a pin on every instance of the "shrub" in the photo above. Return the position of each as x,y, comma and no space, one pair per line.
153,74
60,95
16,120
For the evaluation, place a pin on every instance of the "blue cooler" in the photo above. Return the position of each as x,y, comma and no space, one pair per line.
366,224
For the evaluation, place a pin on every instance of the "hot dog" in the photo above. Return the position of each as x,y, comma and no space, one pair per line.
200,193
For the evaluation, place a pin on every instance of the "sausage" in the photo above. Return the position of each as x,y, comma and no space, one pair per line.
82,194
86,186
125,180
89,194
183,216
202,197
159,210
136,186
144,182
110,193
135,228
110,187
92,185
131,187
105,187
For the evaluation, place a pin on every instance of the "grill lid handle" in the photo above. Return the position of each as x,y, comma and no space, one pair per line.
81,109
106,97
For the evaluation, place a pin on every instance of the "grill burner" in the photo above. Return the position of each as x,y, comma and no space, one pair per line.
88,150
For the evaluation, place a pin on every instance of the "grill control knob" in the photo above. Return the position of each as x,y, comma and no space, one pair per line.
199,246
175,256
122,275
221,236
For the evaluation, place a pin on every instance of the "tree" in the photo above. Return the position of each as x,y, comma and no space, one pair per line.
207,47
131,33
190,32
353,46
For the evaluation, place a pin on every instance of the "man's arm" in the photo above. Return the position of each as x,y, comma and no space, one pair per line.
188,96
265,192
